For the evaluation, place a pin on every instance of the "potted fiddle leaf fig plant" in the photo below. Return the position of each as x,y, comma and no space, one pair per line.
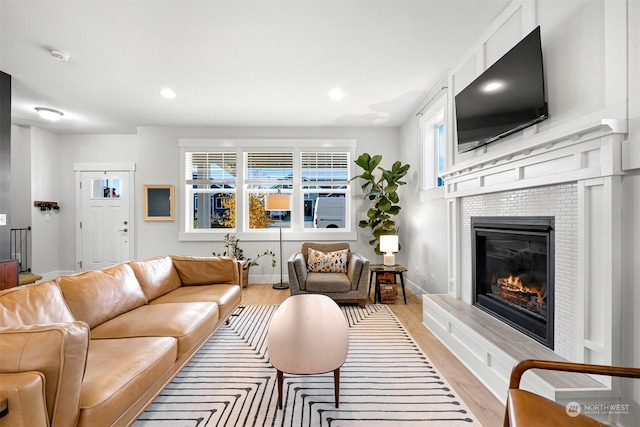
233,249
380,186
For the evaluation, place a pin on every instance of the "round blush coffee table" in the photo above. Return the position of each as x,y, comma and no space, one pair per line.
308,334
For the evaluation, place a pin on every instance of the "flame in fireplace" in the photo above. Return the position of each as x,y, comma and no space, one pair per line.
514,284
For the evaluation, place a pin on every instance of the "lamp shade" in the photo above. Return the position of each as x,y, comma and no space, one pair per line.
277,202
389,243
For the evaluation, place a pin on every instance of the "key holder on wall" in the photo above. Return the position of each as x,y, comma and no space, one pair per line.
46,206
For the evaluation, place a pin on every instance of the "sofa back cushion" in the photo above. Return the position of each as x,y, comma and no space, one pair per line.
97,296
34,305
157,276
206,270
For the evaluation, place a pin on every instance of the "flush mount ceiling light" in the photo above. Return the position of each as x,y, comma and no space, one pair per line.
168,93
59,55
336,94
49,113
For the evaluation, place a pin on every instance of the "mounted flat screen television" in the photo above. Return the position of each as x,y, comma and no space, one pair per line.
507,97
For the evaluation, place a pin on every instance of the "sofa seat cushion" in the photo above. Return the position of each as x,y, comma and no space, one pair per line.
119,371
189,323
327,282
228,297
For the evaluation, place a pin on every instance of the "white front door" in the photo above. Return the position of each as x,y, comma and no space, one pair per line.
105,224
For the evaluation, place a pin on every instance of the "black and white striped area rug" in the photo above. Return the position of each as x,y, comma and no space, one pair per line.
386,381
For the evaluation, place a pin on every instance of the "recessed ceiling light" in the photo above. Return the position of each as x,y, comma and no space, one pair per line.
49,113
168,93
336,94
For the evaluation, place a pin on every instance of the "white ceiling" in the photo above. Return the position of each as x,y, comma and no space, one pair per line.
231,63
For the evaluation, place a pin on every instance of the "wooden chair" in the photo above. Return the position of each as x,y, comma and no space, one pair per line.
526,409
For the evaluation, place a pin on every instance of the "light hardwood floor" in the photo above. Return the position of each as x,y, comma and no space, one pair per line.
484,405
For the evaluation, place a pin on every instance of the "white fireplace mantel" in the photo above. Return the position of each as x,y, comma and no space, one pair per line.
574,152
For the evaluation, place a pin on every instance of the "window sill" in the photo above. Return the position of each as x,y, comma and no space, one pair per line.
432,194
269,236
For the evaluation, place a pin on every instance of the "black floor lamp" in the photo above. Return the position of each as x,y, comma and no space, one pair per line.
281,203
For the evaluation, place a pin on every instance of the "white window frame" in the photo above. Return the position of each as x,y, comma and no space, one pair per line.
431,119
243,146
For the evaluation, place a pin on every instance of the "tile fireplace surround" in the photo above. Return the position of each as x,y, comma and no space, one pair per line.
575,178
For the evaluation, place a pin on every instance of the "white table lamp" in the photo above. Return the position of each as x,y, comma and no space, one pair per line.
389,245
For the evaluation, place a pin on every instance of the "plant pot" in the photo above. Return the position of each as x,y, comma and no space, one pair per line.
245,277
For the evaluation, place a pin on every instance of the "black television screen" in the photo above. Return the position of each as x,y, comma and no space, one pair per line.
507,97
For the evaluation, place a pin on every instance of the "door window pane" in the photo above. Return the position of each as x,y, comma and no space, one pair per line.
105,188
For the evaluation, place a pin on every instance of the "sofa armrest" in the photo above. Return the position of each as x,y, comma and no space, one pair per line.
25,400
358,271
59,352
297,268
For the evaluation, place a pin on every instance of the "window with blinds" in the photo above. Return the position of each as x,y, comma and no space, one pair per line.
267,172
226,181
325,184
211,179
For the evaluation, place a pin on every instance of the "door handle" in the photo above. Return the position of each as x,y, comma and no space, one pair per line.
125,230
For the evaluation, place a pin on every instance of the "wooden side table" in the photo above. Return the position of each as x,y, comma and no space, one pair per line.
378,269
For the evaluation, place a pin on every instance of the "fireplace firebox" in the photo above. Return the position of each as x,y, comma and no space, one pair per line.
513,272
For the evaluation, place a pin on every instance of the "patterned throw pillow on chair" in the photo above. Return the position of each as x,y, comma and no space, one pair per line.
330,262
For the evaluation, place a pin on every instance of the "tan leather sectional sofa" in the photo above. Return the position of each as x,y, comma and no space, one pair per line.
94,349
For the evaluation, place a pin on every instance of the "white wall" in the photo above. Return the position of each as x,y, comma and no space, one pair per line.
21,200
45,226
423,226
155,152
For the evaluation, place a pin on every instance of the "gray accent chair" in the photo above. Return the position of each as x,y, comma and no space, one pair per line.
349,287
